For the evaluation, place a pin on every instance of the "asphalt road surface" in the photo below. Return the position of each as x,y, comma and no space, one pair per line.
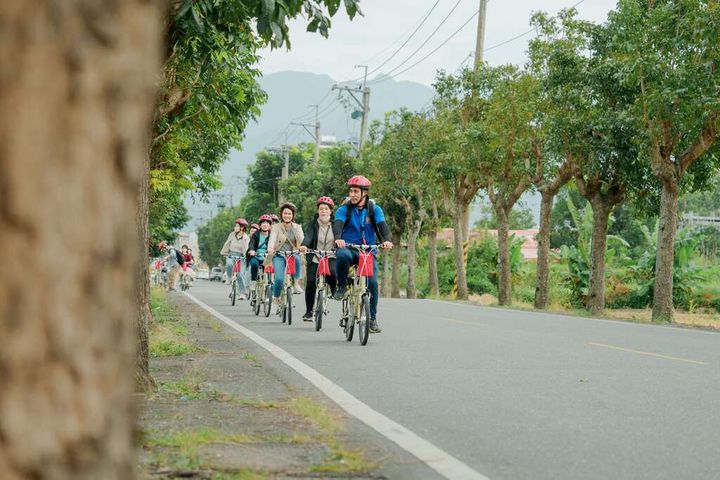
522,395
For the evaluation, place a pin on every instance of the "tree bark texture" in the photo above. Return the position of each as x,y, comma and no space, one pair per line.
663,290
432,264
76,93
504,273
542,283
598,247
386,264
413,235
459,238
603,199
396,263
143,318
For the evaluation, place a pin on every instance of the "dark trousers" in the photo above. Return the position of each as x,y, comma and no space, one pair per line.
311,282
347,257
254,267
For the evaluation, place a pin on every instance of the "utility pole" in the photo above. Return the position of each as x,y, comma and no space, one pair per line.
364,105
480,41
316,135
286,167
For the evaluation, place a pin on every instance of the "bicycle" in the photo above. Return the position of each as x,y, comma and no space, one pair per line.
288,284
185,279
262,294
322,293
356,303
237,268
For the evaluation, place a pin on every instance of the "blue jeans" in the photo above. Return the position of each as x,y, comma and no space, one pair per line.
279,265
229,264
347,257
255,263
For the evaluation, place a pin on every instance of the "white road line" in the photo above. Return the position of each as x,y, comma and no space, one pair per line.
435,458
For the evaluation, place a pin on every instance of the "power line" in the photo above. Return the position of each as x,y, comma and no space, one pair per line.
427,39
427,15
449,38
505,42
429,54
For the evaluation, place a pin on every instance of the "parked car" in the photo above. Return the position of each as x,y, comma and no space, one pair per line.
216,274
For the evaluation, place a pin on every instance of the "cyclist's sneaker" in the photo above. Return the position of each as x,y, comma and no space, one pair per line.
340,293
297,289
342,322
242,296
308,317
373,327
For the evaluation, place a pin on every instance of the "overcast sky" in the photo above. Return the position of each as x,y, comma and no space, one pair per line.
386,24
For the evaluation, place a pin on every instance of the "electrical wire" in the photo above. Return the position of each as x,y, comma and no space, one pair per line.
407,59
388,77
427,15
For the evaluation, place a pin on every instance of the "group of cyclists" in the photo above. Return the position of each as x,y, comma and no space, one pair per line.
358,221
176,265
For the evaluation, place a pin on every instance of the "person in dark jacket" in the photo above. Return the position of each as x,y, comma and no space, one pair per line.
318,236
257,248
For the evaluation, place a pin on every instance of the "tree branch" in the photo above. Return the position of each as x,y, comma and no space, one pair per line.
708,136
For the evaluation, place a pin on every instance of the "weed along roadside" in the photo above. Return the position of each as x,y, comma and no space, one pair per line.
220,411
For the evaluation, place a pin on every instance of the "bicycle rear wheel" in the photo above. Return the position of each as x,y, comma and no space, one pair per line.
289,295
364,320
233,293
319,309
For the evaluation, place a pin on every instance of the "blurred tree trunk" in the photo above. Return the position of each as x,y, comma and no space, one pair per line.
76,93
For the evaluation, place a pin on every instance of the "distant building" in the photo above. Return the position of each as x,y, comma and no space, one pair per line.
529,247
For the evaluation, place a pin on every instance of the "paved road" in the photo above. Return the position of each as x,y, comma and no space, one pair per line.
520,395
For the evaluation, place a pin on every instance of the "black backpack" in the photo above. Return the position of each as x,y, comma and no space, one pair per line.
179,257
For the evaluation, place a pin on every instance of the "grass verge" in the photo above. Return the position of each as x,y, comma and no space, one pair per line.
169,331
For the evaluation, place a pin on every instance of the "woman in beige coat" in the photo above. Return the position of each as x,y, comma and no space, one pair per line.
284,236
235,246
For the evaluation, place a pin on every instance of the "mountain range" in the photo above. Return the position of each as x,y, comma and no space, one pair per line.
290,95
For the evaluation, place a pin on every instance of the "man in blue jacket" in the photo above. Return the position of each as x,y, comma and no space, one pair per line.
359,221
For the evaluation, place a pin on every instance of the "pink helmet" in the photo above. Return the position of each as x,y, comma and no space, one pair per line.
242,222
255,226
326,201
360,182
266,218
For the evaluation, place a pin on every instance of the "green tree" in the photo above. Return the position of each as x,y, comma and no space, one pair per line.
208,94
666,52
519,219
507,101
456,129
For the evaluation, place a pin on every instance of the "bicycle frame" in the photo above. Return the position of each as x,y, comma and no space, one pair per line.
288,283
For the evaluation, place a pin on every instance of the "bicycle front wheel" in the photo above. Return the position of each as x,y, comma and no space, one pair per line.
258,298
319,309
233,293
267,300
288,306
364,320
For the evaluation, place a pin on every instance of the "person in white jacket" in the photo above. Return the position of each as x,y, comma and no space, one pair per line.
235,246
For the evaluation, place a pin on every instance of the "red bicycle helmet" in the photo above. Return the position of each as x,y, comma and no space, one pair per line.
325,200
162,244
242,222
275,218
360,182
255,226
266,218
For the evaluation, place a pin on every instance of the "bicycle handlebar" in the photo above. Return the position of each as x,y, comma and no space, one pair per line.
321,253
375,246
